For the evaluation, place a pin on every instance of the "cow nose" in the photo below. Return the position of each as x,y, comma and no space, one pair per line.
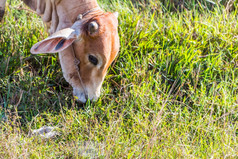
80,96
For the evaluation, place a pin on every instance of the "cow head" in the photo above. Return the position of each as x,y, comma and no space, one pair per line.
94,42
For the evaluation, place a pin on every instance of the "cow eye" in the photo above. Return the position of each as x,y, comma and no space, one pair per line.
93,59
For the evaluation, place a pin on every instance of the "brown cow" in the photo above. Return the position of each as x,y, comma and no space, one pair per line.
86,38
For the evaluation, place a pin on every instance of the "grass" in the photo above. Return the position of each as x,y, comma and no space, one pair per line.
171,93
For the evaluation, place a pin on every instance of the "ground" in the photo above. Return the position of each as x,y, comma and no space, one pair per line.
172,91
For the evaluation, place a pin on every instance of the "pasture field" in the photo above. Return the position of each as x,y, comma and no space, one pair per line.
172,92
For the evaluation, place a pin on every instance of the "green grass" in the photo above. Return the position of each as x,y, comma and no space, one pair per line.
171,93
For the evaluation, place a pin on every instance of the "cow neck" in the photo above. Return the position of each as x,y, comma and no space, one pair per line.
90,14
77,7
93,12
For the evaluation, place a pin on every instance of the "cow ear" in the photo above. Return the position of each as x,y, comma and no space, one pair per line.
56,42
52,45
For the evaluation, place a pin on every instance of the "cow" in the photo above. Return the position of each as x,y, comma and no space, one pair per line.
85,37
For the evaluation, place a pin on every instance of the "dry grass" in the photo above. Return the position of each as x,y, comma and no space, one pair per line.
171,93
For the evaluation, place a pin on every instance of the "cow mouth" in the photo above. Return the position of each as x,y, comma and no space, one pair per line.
80,96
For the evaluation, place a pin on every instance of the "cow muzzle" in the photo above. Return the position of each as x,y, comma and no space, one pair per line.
83,96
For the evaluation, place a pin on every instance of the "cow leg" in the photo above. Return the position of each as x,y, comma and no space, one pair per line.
2,8
54,18
48,12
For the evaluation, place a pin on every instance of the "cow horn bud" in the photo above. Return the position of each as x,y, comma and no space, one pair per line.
92,27
79,17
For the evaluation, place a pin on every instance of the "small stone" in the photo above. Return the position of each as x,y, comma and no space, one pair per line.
45,132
